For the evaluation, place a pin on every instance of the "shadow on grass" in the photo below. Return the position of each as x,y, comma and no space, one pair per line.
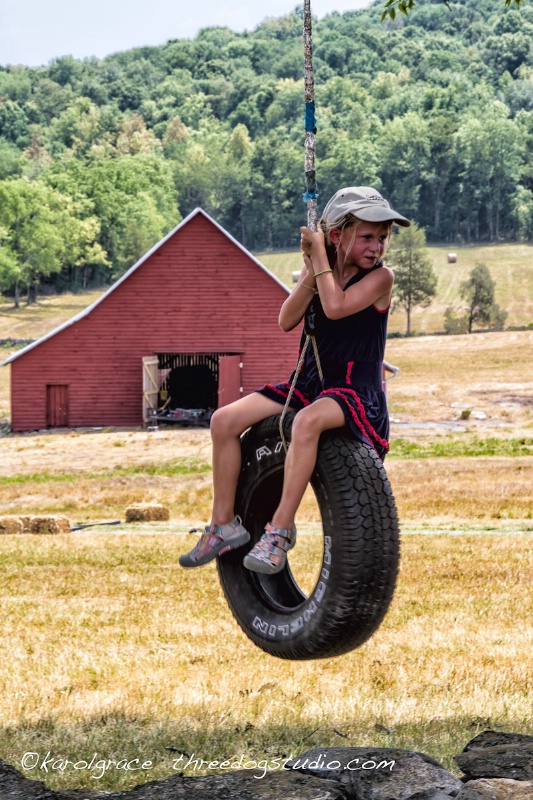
116,752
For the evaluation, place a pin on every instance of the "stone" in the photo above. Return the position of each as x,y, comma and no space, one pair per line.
242,785
496,789
14,786
494,754
430,794
378,773
239,785
491,738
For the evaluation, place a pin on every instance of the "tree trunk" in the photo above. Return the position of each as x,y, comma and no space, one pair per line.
32,295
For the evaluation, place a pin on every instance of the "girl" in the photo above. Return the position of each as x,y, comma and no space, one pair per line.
344,293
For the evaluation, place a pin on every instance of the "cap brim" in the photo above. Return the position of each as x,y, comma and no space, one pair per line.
380,214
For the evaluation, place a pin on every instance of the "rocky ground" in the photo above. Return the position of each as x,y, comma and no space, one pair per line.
495,766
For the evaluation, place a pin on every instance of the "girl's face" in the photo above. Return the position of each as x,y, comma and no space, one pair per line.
361,244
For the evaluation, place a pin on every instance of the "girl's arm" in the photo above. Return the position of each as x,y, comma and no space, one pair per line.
337,303
295,306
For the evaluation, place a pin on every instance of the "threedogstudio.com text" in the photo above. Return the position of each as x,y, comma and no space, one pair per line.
97,766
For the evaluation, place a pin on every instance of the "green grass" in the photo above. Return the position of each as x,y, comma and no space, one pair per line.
169,468
511,267
468,446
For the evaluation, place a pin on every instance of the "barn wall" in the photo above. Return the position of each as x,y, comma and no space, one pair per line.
198,292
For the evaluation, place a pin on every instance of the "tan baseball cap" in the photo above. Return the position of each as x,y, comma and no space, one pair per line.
364,203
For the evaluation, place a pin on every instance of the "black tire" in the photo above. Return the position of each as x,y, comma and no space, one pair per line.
360,555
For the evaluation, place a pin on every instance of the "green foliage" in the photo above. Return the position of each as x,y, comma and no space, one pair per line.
415,281
465,446
478,291
405,6
433,107
40,233
453,323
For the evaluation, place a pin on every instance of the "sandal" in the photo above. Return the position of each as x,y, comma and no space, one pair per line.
269,555
215,541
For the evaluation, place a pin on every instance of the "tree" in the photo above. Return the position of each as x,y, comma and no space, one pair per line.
488,166
478,291
40,234
415,280
404,6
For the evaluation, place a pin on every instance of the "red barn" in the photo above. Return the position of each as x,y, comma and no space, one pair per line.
194,321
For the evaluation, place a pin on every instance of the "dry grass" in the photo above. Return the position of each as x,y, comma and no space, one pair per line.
488,373
32,322
95,475
109,647
431,493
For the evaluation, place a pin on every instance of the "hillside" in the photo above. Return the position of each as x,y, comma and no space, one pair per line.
100,158
511,267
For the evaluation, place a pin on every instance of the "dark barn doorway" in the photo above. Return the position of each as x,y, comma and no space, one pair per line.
193,385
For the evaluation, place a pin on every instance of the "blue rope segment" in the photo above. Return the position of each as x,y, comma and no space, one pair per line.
310,119
310,185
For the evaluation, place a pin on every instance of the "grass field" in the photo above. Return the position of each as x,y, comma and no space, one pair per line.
109,647
510,265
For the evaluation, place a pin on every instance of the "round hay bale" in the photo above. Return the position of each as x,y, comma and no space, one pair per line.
11,525
147,512
48,525
452,258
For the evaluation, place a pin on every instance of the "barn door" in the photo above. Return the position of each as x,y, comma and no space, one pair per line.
229,379
57,405
150,386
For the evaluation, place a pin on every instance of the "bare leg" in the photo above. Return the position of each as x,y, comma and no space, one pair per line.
301,459
227,424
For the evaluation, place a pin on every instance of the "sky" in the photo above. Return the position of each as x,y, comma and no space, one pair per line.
33,32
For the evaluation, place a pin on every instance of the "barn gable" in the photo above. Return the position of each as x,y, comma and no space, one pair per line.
198,298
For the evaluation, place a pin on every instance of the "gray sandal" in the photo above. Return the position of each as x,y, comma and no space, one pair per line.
269,555
215,541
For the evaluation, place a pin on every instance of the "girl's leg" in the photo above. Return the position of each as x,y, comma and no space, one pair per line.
269,554
227,425
308,424
226,532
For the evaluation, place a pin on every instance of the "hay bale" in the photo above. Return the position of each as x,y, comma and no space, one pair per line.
11,525
147,512
48,525
26,523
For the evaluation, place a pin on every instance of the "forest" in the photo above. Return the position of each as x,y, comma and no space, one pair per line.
100,158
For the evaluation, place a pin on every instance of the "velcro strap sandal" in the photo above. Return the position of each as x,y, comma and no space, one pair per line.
215,541
269,555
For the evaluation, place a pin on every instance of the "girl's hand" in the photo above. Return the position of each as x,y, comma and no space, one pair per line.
312,242
309,268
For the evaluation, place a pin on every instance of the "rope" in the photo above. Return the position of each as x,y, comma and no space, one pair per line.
310,122
311,194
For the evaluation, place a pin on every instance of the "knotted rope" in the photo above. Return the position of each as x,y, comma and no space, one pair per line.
311,193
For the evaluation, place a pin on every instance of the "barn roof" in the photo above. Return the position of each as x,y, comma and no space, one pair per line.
132,269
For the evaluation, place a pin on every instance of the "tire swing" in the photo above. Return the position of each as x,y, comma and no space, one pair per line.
360,553
360,549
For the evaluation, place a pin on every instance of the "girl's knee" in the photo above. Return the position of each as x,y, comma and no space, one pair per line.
306,425
228,421
222,422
